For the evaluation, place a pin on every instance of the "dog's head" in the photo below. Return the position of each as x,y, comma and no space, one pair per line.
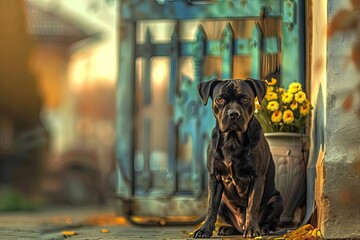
232,101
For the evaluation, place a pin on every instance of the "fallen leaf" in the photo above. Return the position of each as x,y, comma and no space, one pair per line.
301,231
104,230
69,233
108,220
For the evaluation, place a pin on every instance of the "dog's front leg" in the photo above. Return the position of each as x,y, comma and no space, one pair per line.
252,228
215,190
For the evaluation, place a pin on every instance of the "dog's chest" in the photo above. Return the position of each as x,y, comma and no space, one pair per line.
236,173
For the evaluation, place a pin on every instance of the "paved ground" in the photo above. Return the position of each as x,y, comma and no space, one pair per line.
94,222
85,222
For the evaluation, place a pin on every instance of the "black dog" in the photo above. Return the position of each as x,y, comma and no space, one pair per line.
241,168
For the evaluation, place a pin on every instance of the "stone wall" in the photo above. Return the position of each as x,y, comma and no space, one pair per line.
335,92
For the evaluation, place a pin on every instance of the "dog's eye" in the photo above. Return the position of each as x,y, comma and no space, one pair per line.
245,100
220,100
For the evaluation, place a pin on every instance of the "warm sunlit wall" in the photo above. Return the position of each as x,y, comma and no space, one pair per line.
61,76
318,42
65,72
77,84
49,62
338,189
94,64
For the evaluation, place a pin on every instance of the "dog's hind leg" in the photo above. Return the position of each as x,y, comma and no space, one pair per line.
228,217
270,214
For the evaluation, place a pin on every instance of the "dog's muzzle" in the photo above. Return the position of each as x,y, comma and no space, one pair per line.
233,113
233,120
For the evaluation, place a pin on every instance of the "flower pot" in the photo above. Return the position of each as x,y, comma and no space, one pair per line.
290,158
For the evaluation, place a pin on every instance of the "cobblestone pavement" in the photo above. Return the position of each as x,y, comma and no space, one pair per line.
94,222
128,232
83,222
93,232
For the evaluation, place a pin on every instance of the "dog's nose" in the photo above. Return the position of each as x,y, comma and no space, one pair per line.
233,114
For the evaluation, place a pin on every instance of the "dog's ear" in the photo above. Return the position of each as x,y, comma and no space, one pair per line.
205,89
259,87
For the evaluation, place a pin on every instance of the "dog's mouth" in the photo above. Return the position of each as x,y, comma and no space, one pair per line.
234,125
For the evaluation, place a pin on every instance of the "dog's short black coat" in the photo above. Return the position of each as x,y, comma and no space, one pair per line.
241,168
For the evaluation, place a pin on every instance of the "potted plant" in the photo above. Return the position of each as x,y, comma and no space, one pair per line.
284,110
283,115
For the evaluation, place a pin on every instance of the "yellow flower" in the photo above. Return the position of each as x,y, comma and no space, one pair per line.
294,105
281,90
270,89
295,87
276,116
272,106
300,97
257,104
271,96
272,82
287,97
305,109
288,116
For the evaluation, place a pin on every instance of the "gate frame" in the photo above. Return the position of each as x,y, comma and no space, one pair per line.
292,44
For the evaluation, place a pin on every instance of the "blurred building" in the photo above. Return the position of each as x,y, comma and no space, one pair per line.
73,58
75,61
23,139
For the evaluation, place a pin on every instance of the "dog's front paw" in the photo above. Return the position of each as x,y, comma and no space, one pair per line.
202,233
265,230
252,231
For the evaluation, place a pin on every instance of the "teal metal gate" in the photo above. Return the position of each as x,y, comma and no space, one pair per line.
167,47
